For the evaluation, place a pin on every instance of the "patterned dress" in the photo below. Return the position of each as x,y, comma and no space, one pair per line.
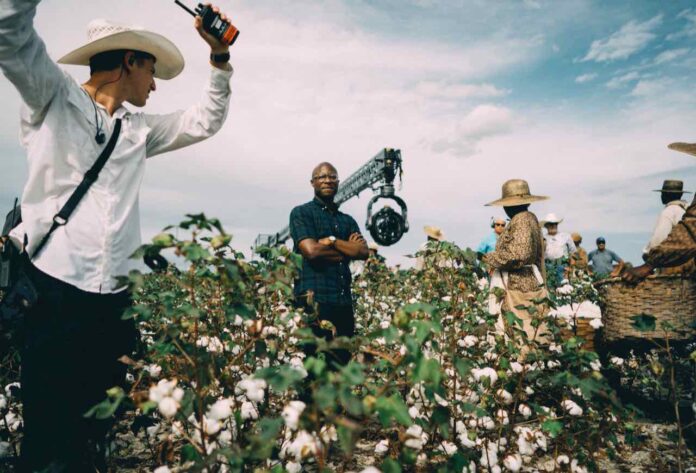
519,246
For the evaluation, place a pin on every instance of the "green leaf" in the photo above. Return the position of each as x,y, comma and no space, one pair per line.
108,406
353,374
427,369
390,466
393,407
463,367
643,322
189,453
552,427
280,378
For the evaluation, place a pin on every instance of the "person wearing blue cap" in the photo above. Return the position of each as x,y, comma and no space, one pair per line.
601,261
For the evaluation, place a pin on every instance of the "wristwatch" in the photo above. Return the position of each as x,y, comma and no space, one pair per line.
220,58
332,239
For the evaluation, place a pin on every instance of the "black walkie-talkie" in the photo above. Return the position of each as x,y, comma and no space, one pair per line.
223,30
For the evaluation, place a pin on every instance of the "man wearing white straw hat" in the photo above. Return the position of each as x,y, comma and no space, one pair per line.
74,333
433,234
518,259
559,247
680,245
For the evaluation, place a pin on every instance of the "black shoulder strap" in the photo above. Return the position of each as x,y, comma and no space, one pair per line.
62,217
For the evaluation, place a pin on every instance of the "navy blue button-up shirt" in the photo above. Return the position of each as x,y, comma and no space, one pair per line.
330,282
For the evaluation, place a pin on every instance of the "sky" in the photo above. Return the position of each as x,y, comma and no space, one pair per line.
578,97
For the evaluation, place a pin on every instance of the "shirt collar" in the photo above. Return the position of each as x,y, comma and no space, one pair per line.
331,207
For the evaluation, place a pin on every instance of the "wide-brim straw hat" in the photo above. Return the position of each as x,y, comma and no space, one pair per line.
434,232
688,148
516,192
577,238
552,218
673,186
103,35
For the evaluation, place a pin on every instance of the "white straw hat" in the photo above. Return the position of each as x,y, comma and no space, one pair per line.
552,218
103,35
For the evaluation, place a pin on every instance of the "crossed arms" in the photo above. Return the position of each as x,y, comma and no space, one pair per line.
324,251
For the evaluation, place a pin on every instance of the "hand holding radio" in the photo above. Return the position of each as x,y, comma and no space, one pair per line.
213,26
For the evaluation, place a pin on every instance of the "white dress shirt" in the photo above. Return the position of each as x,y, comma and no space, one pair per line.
669,217
58,128
559,245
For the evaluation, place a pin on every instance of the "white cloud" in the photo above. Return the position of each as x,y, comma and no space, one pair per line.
670,55
650,87
441,89
689,30
631,38
581,79
622,80
464,136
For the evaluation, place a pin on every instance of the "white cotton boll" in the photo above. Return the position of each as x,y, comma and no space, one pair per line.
370,469
571,408
562,460
504,396
384,324
168,407
487,372
596,365
328,434
525,410
540,440
616,361
553,364
236,349
565,289
210,426
13,421
516,367
248,411
513,462
238,321
298,366
293,467
502,416
10,388
489,456
178,394
529,390
576,468
490,356
154,370
470,341
303,446
416,438
220,410
469,469
382,447
448,448
3,402
549,465
414,412
153,430
130,378
161,390
485,422
596,323
162,469
292,412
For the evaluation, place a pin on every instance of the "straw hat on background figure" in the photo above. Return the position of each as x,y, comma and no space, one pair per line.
103,36
688,148
434,232
516,192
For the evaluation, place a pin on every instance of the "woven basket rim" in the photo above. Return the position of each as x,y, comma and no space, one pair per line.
652,277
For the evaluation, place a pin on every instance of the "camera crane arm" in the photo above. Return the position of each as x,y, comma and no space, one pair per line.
382,169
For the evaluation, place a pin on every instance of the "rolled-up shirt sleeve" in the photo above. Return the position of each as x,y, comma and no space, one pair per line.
185,127
24,60
680,245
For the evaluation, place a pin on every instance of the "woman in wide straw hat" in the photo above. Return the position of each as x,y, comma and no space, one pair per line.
518,259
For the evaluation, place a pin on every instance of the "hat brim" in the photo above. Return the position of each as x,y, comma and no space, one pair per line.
667,191
512,201
169,60
688,148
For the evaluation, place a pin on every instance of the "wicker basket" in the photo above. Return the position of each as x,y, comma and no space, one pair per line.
667,298
582,329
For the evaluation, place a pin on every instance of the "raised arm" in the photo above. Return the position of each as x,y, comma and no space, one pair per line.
24,60
202,120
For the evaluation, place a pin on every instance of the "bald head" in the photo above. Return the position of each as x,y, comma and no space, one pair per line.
325,181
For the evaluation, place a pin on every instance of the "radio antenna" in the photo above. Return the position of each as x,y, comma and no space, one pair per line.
185,8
